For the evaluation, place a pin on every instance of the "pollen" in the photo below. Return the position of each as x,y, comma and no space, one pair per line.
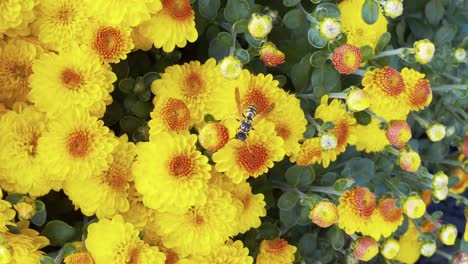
181,166
194,85
108,42
79,144
71,79
178,9
175,114
390,81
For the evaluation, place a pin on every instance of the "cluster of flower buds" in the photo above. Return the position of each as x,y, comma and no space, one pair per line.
440,186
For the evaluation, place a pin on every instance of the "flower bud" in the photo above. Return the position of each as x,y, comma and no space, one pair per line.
440,180
347,58
231,67
25,210
390,248
270,55
414,207
393,8
424,51
409,160
328,141
398,133
357,100
5,255
436,132
213,136
440,194
428,248
259,25
324,214
365,248
447,234
330,28
459,54
450,131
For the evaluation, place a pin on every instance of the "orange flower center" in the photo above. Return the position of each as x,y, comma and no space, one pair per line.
108,42
181,166
133,255
195,217
283,131
19,70
175,114
31,144
388,210
362,201
276,246
390,81
65,14
421,93
252,158
178,9
79,144
257,98
194,85
116,176
79,258
71,79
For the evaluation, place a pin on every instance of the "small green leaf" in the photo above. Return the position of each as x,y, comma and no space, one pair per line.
126,85
336,237
343,184
240,26
142,109
324,79
150,77
290,217
362,118
290,3
288,200
47,260
243,55
367,53
268,231
40,216
219,46
437,214
68,249
209,8
141,134
318,58
361,169
236,10
281,80
327,126
293,175
370,11
383,42
434,11
453,180
315,39
294,18
58,232
140,86
129,123
14,198
300,74
445,34
325,10
307,245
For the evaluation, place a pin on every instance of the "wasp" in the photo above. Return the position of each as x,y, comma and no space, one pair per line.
247,115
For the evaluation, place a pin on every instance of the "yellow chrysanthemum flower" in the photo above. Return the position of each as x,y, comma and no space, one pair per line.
79,258
15,17
417,89
138,214
276,251
76,145
173,26
201,228
169,115
231,252
114,241
177,179
199,86
61,23
386,90
69,80
213,136
384,220
355,209
6,215
16,60
357,31
106,192
409,245
124,12
252,157
335,112
309,153
19,156
375,139
25,247
110,43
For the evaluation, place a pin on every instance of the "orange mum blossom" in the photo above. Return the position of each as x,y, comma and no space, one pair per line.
398,133
271,55
275,251
355,209
346,58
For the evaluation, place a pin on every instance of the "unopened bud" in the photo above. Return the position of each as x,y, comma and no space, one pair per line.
357,100
459,54
424,51
398,133
270,55
414,207
409,160
436,132
365,248
440,194
231,67
25,210
393,8
390,248
428,248
347,58
324,214
213,136
259,25
440,180
447,234
328,141
330,28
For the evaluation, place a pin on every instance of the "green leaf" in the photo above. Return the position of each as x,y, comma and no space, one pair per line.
268,231
281,80
243,55
240,26
68,249
14,198
142,109
141,134
299,176
129,123
150,77
419,29
383,42
453,180
47,260
219,46
324,80
58,232
343,184
307,245
236,10
294,18
290,217
366,52
300,75
315,39
327,126
288,200
318,58
336,236
362,118
126,85
437,214
325,10
370,11
140,86
434,11
40,216
361,169
209,8
290,3
445,34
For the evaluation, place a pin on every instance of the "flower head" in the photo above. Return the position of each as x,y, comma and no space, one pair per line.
459,54
25,246
330,28
355,209
346,58
398,133
424,51
393,8
275,251
169,115
390,248
79,258
409,160
436,132
213,136
365,248
259,26
271,55
414,207
231,67
230,252
324,214
440,193
448,234
385,220
310,152
375,139
357,100
418,89
15,17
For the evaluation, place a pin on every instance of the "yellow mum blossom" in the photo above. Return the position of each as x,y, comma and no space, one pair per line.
138,214
357,31
177,179
213,136
6,215
375,139
355,209
76,145
385,219
417,89
200,86
25,247
61,23
409,245
19,155
169,115
252,157
106,192
230,252
68,80
309,153
201,228
114,241
276,251
16,60
173,26
79,258
15,17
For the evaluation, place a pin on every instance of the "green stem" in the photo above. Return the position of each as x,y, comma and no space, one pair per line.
354,237
421,121
312,121
444,255
457,110
234,39
428,217
308,15
338,95
58,259
382,120
448,87
392,150
451,77
285,187
305,96
447,162
399,193
359,72
391,53
327,190
418,228
458,197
